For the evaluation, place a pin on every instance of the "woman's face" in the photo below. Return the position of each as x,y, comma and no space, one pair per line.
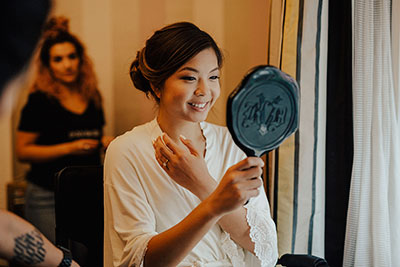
64,62
192,90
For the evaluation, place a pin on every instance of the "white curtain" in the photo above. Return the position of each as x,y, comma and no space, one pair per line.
373,221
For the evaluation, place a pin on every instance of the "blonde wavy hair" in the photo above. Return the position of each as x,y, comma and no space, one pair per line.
56,31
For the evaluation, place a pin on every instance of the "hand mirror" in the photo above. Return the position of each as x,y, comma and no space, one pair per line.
263,110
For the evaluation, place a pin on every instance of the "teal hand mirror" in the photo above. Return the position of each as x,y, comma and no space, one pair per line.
263,110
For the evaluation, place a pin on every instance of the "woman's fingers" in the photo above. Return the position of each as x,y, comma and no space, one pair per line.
169,143
249,163
246,170
189,145
168,147
164,151
183,166
161,148
163,162
231,195
250,173
253,183
92,143
240,183
83,146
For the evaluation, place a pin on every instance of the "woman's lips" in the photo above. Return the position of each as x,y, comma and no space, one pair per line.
199,106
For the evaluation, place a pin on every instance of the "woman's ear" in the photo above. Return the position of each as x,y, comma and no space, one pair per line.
155,90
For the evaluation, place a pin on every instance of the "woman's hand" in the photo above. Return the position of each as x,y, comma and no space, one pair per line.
184,164
83,146
239,184
28,151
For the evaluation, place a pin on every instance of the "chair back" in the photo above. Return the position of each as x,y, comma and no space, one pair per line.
80,213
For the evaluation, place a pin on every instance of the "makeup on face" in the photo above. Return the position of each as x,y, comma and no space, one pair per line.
191,91
64,62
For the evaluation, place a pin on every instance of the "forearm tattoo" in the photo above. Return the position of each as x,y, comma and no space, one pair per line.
29,248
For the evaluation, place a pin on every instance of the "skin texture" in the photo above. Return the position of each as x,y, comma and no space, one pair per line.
64,62
189,93
185,100
22,243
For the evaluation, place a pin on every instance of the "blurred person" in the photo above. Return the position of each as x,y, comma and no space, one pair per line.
21,243
62,122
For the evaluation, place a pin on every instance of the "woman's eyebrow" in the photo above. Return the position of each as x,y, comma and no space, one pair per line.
188,68
214,69
195,70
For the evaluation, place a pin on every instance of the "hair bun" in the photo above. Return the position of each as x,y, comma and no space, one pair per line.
56,25
137,77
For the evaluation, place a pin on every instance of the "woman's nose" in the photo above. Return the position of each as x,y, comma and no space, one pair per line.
67,63
202,88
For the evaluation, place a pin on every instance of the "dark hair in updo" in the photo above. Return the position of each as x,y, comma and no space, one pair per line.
166,51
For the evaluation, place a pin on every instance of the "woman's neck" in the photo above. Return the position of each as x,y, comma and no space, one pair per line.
73,101
175,128
69,87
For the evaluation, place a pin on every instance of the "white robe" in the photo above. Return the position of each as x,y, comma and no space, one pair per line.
141,200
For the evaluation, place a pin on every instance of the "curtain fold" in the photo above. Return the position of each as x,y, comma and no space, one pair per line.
395,26
297,167
339,129
372,233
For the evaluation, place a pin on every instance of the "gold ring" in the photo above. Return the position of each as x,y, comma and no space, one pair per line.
165,163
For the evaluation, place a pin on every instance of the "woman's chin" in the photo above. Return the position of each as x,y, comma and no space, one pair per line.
67,82
199,117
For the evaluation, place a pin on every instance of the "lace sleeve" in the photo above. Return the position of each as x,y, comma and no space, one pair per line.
234,252
262,233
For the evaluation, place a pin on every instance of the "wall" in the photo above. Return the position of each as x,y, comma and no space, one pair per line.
113,31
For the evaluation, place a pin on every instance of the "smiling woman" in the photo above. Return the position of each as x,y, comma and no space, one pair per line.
191,91
175,187
62,122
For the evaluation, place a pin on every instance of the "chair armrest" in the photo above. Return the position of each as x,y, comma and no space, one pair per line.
302,260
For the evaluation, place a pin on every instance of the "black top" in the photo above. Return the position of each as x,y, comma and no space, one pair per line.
46,116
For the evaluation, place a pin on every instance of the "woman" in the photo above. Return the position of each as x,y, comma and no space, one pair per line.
62,122
175,187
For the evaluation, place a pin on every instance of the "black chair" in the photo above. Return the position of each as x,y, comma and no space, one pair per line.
301,260
80,213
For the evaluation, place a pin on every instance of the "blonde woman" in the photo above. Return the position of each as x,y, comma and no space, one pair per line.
62,121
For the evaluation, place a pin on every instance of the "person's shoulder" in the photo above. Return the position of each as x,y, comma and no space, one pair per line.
218,130
131,138
39,96
130,145
127,136
220,137
37,101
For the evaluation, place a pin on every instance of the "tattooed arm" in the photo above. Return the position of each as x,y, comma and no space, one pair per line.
21,242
